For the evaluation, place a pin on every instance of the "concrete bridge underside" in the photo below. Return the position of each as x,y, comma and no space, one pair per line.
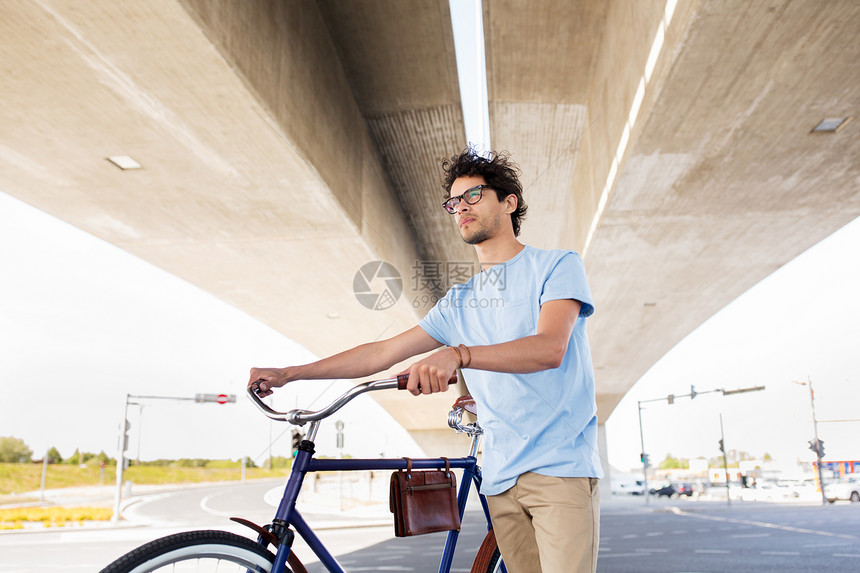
285,143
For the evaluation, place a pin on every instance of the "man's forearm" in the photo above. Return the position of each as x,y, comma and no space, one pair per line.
544,350
363,360
528,354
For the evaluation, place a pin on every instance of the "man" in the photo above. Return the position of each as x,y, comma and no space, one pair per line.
518,329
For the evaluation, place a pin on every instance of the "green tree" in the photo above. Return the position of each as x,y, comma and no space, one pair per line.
669,463
54,456
75,458
14,450
672,463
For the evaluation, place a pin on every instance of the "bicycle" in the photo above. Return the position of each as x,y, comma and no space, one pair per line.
206,550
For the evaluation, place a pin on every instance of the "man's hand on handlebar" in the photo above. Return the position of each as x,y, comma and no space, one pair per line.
268,378
432,374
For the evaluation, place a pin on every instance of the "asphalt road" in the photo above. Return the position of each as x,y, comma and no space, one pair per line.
666,536
152,514
712,537
679,536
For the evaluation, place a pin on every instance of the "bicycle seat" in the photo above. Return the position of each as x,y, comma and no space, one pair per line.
466,402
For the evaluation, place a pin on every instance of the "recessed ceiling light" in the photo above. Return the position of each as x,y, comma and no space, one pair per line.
124,162
831,125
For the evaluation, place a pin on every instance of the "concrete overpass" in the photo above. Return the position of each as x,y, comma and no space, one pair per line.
284,143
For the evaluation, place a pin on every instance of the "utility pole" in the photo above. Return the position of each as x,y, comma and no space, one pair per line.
815,445
643,457
725,461
818,444
122,445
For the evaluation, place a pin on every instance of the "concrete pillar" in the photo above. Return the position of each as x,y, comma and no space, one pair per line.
603,450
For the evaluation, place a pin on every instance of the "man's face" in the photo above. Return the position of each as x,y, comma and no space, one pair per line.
482,220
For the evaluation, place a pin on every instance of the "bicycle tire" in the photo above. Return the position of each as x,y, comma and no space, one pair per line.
193,548
489,558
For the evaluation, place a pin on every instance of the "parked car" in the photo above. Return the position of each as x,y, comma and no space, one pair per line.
668,490
632,488
675,490
685,489
848,488
769,491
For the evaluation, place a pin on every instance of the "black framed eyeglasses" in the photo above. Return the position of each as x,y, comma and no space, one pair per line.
471,196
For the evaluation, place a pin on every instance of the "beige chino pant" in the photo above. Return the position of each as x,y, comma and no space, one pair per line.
548,524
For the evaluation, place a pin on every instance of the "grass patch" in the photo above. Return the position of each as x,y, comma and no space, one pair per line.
18,478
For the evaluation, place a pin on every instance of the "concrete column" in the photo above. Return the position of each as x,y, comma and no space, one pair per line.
603,450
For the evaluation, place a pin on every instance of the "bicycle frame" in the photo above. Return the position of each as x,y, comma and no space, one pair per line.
288,516
304,463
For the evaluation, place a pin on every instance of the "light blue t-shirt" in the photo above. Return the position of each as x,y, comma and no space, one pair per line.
543,422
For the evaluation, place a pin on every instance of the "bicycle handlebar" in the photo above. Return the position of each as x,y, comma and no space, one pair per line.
301,417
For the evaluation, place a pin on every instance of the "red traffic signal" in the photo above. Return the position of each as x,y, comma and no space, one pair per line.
219,398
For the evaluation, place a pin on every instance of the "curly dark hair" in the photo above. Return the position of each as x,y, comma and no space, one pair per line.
498,171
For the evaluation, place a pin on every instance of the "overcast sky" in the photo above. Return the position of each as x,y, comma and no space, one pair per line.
82,323
802,322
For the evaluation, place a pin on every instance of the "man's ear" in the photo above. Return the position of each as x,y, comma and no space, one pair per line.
512,202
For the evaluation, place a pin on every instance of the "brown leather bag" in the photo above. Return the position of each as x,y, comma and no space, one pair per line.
424,501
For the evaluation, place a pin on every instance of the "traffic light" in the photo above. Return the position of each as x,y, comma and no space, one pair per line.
670,398
219,398
722,446
122,443
297,439
692,391
643,457
817,446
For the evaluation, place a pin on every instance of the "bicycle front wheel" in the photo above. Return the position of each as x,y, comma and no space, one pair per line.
196,551
489,558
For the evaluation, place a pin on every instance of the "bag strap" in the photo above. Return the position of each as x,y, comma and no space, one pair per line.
409,466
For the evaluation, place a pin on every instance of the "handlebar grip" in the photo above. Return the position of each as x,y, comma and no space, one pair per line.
402,379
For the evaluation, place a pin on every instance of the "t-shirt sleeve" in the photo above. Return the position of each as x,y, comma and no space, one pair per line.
567,280
435,323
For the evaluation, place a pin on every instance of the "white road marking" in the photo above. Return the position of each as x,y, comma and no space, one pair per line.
794,553
762,524
204,505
